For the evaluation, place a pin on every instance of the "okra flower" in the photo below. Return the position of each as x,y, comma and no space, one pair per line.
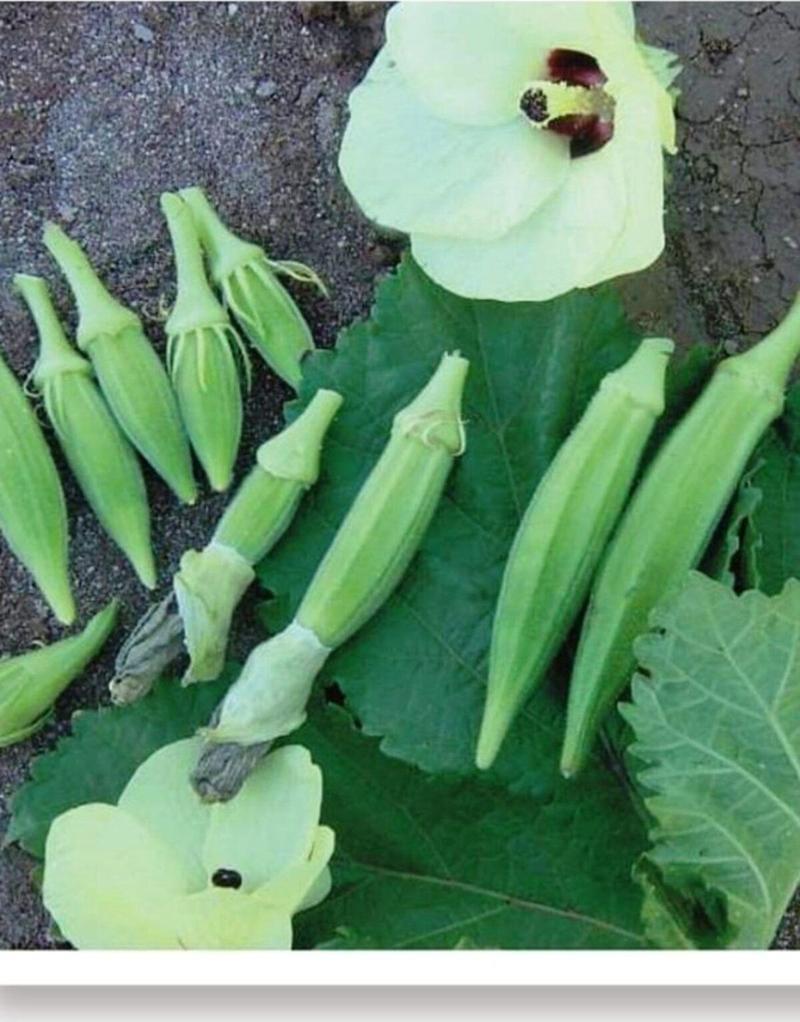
161,870
519,144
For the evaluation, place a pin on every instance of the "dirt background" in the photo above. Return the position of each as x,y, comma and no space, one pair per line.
103,106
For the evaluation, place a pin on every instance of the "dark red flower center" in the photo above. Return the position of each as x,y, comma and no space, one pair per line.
583,113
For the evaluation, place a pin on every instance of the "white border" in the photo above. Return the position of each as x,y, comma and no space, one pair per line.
403,968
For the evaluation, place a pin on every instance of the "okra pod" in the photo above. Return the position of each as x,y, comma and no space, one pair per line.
563,533
101,458
131,375
33,515
669,522
266,312
211,582
369,554
200,354
31,683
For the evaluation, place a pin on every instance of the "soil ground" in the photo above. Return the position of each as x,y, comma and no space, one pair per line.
103,106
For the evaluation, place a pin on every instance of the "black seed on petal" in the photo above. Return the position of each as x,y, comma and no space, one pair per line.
227,878
534,105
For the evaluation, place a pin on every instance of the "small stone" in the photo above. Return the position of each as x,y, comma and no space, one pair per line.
66,212
743,93
143,33
310,93
266,88
232,9
787,240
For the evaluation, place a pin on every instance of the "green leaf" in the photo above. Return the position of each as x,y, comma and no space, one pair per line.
426,862
96,761
772,538
717,721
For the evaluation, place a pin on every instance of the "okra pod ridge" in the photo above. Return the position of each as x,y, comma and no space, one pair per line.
100,457
131,376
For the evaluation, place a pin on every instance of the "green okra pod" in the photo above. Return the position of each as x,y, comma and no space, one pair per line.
200,354
249,282
211,581
103,461
563,533
131,375
31,683
369,554
33,515
669,522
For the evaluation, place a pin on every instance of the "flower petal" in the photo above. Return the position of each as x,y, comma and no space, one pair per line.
106,880
642,237
409,170
551,252
272,822
161,798
467,62
304,884
227,920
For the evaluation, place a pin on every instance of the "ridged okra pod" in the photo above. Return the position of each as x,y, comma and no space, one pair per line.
31,683
33,515
130,373
211,581
264,309
563,532
201,356
369,554
103,461
669,522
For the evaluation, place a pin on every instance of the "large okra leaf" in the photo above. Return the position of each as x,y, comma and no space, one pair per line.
426,862
717,723
416,674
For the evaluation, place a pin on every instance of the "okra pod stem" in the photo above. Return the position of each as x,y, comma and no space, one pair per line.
563,533
131,376
101,458
33,515
31,683
248,279
669,522
201,360
369,554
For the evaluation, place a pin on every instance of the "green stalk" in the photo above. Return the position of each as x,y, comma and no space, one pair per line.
562,535
31,683
670,521
97,452
129,372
